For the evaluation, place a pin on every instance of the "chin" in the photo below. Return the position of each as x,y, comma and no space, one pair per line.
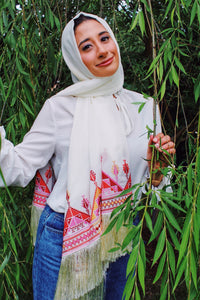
106,73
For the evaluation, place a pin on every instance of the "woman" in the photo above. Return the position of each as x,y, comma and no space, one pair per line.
97,143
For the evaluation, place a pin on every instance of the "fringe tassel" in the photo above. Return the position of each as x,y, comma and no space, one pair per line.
35,217
82,273
111,240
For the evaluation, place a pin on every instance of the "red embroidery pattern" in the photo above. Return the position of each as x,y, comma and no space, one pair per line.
44,183
82,228
110,190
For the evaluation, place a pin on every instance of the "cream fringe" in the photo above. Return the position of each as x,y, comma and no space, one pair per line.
35,217
82,273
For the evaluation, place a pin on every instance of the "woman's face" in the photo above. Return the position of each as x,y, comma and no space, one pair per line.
97,49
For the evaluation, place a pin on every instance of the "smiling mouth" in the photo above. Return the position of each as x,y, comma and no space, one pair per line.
106,62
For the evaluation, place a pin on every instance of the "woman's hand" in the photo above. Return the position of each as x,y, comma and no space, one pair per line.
162,143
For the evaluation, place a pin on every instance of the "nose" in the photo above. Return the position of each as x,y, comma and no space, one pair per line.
101,50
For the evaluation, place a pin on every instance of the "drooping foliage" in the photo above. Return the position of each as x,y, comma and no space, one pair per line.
159,42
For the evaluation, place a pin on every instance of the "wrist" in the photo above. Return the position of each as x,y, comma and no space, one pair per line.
156,178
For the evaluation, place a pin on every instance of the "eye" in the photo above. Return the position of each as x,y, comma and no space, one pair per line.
105,38
86,47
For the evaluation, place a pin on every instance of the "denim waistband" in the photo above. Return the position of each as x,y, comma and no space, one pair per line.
49,210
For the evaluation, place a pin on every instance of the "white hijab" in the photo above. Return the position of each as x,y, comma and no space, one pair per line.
98,170
85,83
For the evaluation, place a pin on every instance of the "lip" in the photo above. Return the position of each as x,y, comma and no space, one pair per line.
106,62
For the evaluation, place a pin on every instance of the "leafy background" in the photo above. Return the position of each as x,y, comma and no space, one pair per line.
159,42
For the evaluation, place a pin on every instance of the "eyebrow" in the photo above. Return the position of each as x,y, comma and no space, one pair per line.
87,39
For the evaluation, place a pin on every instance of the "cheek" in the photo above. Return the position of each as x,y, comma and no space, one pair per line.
113,49
87,59
117,57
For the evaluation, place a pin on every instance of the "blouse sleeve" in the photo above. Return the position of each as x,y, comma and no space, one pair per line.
19,163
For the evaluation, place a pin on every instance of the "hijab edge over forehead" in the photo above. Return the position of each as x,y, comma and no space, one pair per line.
85,83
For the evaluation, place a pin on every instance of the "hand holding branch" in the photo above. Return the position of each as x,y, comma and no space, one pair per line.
161,159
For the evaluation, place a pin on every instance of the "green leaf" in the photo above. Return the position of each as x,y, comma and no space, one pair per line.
179,64
13,244
193,266
154,62
169,52
198,11
168,9
171,258
57,22
184,244
149,129
2,89
193,12
196,225
17,275
182,53
157,227
173,204
141,22
132,260
130,236
141,107
159,247
6,187
198,162
22,118
23,58
134,22
175,76
129,286
5,18
160,68
51,19
188,200
171,217
5,262
110,226
149,221
180,272
160,268
162,89
27,108
146,5
19,67
141,272
120,221
114,249
116,210
190,179
172,16
137,293
197,89
163,295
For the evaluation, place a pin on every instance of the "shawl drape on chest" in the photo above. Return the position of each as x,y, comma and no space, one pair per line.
98,171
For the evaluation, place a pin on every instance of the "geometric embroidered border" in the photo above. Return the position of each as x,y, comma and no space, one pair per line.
108,205
82,239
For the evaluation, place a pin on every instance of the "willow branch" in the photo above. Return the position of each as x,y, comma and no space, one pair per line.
153,57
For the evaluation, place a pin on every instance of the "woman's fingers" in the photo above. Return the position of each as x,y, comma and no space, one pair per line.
164,142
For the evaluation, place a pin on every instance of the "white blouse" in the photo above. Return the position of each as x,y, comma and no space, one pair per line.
49,139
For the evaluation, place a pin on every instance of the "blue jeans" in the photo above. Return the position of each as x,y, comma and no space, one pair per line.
47,260
47,254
